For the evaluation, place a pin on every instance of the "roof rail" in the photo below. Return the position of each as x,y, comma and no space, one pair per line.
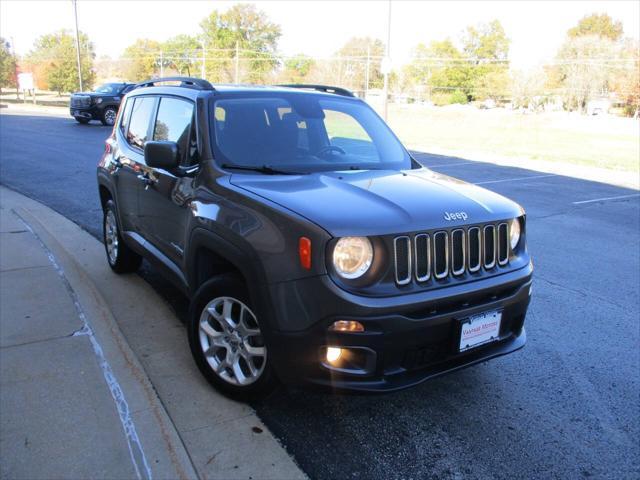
188,82
321,88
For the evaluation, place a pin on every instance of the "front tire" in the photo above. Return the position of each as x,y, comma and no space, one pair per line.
227,342
81,120
120,257
109,116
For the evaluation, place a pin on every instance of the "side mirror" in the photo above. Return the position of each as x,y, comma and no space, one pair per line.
161,155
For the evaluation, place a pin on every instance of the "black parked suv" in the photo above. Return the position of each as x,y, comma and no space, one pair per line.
313,247
101,104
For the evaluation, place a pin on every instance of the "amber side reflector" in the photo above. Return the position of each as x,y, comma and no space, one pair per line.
304,249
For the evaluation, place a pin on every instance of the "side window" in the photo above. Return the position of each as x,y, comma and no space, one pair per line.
173,123
126,113
139,122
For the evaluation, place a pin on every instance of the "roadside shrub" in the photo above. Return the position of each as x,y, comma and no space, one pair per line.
448,98
458,97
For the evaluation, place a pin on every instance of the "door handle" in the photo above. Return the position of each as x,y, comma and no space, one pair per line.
144,178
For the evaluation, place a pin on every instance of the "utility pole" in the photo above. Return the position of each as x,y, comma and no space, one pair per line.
75,14
237,62
15,67
387,60
204,59
161,65
366,74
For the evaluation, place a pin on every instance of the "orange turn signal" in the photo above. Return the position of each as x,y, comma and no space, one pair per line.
346,326
304,250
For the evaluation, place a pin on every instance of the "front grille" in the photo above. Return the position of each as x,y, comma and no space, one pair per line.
441,254
80,101
402,255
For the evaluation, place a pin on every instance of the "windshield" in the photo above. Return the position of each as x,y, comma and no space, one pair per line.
109,88
304,132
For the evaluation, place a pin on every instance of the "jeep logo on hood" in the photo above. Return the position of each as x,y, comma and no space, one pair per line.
451,216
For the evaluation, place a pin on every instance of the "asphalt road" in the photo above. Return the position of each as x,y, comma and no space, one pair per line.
566,406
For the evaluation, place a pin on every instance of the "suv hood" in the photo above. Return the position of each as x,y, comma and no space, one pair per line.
375,202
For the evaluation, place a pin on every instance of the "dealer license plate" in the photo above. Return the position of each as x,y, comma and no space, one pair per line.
479,329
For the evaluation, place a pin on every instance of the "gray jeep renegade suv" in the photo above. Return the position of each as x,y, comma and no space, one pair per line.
313,247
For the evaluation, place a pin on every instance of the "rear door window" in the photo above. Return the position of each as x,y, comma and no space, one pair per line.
143,108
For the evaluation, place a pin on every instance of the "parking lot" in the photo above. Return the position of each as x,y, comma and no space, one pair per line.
566,406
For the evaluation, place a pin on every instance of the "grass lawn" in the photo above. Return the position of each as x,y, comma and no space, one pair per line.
600,141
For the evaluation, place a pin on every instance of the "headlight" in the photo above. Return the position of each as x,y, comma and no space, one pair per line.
514,232
98,100
352,256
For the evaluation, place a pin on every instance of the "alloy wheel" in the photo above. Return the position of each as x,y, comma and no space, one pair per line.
111,236
231,341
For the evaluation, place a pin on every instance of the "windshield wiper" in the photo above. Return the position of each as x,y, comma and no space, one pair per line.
261,168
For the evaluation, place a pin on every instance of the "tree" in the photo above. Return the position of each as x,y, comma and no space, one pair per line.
57,53
584,69
250,30
352,63
487,48
626,77
441,68
528,88
7,65
181,53
142,59
589,60
297,68
486,42
601,25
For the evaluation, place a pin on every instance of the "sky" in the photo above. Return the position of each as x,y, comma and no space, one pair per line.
316,28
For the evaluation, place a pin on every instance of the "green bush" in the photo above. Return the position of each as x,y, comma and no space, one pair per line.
448,98
458,97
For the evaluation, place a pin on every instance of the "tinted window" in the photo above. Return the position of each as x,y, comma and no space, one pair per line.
139,123
304,132
126,113
173,123
109,88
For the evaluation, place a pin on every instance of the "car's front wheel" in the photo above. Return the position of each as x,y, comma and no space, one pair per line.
226,339
120,257
109,116
82,120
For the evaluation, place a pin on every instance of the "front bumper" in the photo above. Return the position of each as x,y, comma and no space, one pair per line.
90,113
408,340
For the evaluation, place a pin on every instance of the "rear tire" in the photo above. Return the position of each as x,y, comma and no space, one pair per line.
120,257
227,342
81,120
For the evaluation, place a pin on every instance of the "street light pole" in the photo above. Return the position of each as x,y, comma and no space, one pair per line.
203,69
237,76
75,14
387,66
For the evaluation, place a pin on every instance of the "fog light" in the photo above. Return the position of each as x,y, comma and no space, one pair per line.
333,354
347,326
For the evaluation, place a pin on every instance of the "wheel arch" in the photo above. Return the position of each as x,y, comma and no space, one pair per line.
209,254
105,194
